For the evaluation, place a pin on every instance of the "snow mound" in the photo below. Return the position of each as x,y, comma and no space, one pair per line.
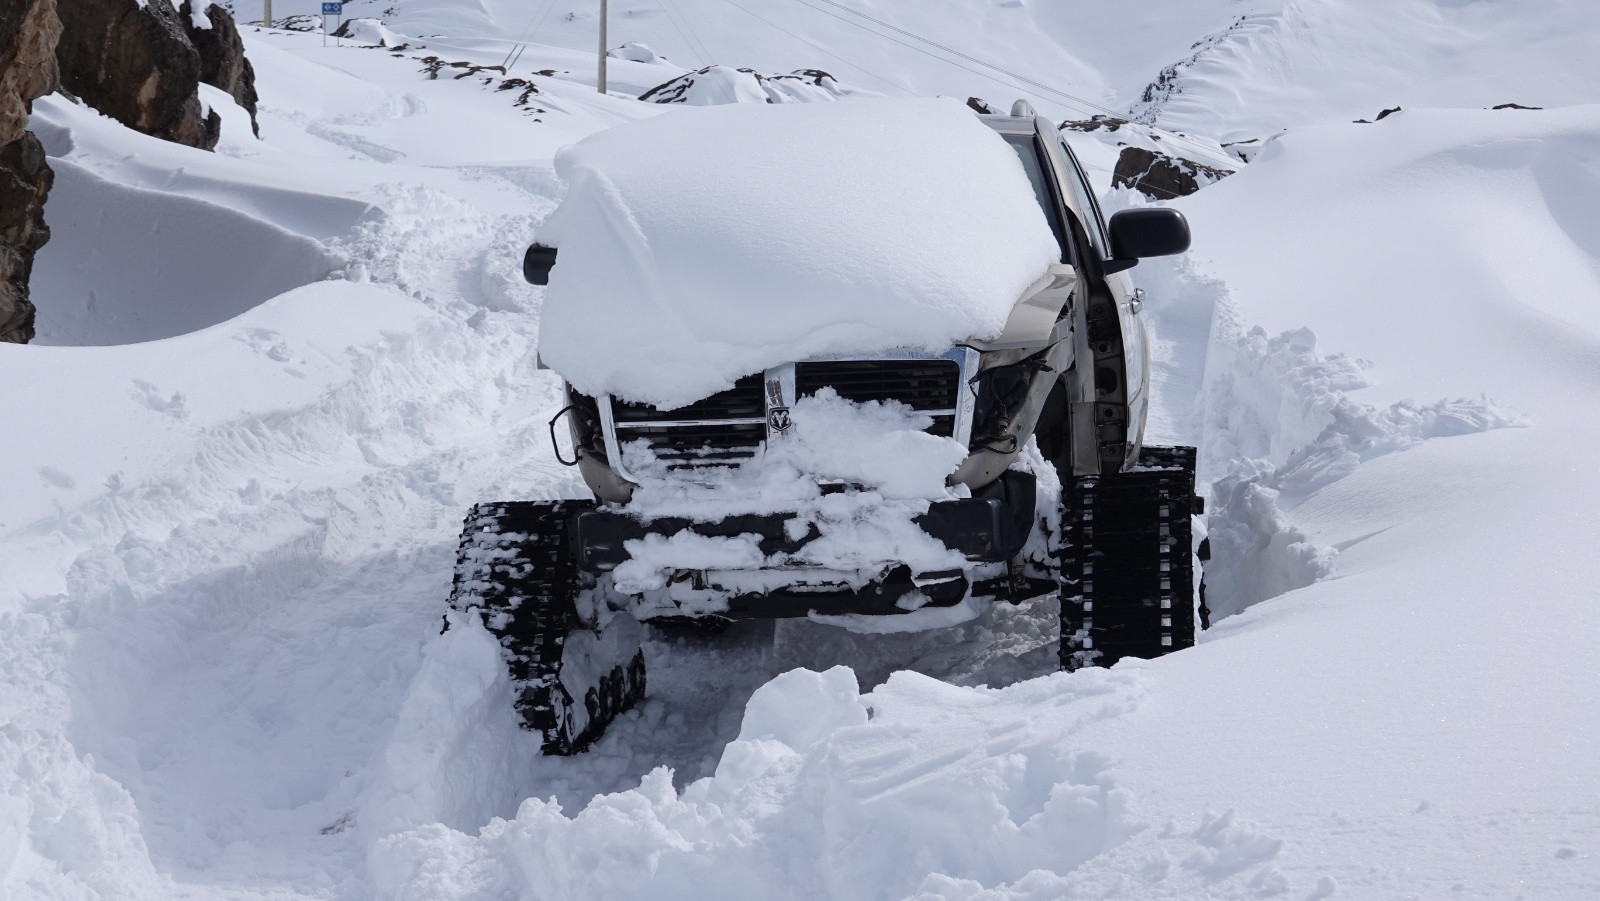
371,31
634,51
918,786
699,247
127,264
716,85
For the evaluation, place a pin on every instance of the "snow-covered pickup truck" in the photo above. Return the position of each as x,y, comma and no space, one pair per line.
836,361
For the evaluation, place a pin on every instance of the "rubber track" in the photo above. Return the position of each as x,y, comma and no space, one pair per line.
1128,573
516,564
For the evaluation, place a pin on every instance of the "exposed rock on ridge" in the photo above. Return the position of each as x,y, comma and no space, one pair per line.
223,64
723,84
142,64
29,30
136,64
1160,176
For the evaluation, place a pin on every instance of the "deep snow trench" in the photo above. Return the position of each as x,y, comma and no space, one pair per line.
223,564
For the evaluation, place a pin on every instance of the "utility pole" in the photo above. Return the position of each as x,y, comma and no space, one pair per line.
602,46
266,13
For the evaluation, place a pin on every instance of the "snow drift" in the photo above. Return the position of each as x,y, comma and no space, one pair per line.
128,264
223,556
699,247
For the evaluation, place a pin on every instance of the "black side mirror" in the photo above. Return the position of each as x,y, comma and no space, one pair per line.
1137,234
537,263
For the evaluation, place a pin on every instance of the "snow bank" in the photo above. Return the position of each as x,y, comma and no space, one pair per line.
126,264
917,789
702,246
371,31
637,52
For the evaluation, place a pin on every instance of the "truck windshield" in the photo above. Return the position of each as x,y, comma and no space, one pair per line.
1028,151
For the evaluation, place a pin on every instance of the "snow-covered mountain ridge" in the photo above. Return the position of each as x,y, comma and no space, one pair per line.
224,551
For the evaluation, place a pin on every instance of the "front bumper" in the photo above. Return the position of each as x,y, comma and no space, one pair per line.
990,527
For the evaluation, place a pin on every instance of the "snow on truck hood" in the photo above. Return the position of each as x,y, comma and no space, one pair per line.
702,245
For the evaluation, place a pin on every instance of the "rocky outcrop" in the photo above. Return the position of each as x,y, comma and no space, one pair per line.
25,181
723,84
135,63
1160,176
1380,117
29,30
1094,123
223,64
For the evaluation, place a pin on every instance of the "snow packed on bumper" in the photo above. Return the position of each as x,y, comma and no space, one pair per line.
895,467
703,245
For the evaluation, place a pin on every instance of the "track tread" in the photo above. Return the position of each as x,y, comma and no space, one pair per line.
516,564
1127,581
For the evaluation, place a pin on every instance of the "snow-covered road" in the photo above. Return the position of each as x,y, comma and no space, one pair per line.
224,554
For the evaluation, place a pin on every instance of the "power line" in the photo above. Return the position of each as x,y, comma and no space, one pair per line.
537,17
820,48
1059,95
694,40
688,44
951,50
912,47
708,61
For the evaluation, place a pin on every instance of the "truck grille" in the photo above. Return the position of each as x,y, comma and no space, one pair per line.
730,427
927,386
725,429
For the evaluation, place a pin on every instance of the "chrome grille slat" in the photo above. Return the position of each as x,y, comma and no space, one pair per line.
743,401
730,427
930,386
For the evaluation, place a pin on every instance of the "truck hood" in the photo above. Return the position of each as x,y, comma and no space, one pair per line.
705,244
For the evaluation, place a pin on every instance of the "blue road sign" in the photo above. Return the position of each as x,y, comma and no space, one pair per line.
333,9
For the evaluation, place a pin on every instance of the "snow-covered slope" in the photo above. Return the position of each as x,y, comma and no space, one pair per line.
1239,68
224,553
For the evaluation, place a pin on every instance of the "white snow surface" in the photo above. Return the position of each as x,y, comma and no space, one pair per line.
225,542
715,242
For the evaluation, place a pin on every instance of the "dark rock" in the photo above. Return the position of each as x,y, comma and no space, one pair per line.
223,64
1517,106
25,180
433,65
527,88
980,105
680,89
29,30
1379,118
1094,123
137,65
1160,176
